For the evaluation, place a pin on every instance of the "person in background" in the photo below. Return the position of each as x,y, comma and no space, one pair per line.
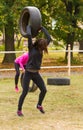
33,65
20,62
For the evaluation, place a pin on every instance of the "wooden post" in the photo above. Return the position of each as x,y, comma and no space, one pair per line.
69,60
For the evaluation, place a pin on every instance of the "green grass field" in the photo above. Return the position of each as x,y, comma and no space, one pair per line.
63,106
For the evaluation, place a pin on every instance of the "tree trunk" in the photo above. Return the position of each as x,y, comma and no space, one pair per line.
73,12
9,33
70,40
18,41
9,43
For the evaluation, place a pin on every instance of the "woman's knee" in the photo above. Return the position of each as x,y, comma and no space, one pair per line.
44,90
17,74
24,93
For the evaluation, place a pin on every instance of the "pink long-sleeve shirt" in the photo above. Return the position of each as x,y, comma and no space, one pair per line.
22,60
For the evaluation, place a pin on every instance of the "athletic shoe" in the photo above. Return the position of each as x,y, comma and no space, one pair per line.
40,108
16,89
19,113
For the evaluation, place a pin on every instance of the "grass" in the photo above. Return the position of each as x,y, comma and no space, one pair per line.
63,106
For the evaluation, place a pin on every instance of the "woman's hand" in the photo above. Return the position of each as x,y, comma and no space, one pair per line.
23,71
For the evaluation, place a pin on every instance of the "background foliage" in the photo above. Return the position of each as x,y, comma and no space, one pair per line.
62,18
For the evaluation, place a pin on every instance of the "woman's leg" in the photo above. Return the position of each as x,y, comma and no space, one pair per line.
26,81
40,83
17,74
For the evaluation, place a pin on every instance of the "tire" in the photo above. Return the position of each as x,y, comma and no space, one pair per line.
58,81
33,87
30,15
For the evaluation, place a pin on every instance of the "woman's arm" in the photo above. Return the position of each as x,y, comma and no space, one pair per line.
28,30
44,30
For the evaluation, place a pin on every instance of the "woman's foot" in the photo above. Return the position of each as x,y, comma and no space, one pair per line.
40,108
16,89
19,113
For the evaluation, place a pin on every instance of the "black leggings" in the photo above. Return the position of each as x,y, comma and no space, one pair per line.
17,66
37,79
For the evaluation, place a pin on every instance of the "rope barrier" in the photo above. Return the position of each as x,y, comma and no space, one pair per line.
47,67
68,66
49,51
11,52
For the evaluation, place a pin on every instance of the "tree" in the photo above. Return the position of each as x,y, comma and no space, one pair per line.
9,31
73,9
9,21
67,14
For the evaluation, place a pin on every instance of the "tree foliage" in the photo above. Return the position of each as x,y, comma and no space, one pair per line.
60,17
67,14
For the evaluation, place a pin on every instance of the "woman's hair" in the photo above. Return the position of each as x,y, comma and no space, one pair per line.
41,45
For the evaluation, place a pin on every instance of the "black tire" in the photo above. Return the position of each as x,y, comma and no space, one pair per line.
33,87
58,81
30,15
